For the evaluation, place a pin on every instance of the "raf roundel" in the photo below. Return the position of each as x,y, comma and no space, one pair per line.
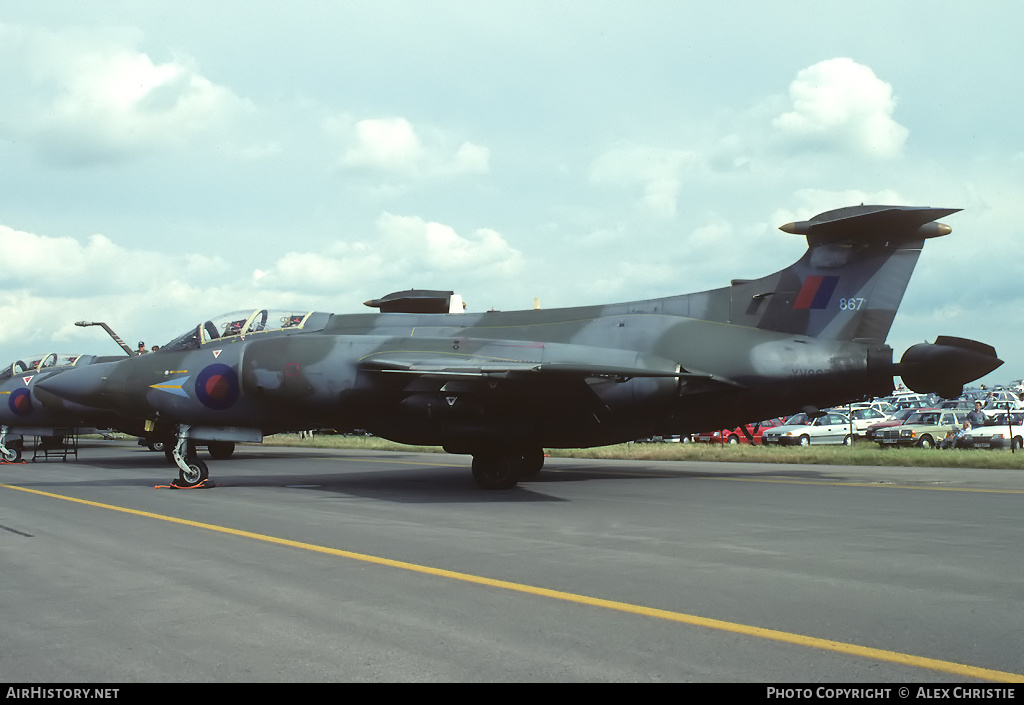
217,387
21,402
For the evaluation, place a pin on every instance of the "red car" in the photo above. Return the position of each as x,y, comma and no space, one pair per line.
736,435
896,419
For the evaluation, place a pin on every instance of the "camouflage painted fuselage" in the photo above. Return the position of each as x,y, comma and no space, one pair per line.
809,336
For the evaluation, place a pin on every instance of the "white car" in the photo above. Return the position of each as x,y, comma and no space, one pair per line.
998,435
997,402
799,430
865,417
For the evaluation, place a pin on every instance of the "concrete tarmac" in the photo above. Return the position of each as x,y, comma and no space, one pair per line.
309,565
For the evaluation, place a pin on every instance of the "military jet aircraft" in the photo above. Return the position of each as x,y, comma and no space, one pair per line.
27,410
502,386
24,412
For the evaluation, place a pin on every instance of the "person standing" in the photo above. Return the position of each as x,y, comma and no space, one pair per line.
977,417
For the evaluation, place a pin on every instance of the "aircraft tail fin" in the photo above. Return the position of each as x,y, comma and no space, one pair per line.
852,278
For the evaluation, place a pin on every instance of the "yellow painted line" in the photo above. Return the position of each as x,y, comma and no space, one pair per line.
950,667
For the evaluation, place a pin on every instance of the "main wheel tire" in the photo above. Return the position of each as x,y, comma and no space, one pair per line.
496,472
220,450
197,473
531,462
156,446
12,454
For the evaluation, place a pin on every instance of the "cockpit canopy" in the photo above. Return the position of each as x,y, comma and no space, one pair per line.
37,363
247,322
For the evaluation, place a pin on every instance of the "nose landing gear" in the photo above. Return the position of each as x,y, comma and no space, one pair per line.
192,472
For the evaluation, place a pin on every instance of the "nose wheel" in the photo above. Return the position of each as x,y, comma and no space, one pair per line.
192,472
11,453
195,473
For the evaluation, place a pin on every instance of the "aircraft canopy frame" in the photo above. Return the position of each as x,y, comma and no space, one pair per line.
238,324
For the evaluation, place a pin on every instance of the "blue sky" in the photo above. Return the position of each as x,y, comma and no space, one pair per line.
162,163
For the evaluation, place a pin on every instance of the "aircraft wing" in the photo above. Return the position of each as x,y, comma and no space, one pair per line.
439,366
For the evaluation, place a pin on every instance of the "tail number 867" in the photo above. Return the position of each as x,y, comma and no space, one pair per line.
850,304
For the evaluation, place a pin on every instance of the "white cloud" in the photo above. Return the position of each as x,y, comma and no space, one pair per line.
388,144
391,145
62,280
344,267
154,296
658,171
63,266
833,106
713,237
87,98
442,249
406,248
471,159
624,277
810,202
841,104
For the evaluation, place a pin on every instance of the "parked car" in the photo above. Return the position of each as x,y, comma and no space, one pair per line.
899,405
921,400
896,419
998,402
965,404
924,428
999,433
865,418
735,435
801,430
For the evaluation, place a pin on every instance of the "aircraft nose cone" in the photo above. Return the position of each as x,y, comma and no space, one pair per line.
82,385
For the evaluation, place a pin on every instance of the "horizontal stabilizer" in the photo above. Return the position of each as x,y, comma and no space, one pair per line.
872,224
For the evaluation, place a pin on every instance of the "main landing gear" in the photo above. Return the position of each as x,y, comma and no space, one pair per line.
502,470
